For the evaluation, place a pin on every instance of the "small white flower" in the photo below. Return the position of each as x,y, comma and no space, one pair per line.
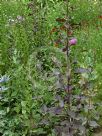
3,88
4,79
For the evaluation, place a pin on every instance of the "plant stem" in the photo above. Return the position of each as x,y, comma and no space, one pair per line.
68,64
68,56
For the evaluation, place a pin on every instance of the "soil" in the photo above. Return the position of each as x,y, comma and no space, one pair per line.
98,134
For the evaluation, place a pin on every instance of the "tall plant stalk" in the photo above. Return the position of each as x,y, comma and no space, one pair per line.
68,63
68,53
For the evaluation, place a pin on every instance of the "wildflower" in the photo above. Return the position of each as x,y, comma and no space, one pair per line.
3,88
73,41
11,21
4,79
20,18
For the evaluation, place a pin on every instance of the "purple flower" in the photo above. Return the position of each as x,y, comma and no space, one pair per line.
73,41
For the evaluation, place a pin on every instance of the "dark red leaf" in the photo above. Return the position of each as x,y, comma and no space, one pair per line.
100,17
64,49
60,20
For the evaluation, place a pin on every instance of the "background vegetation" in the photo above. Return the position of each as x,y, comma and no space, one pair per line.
34,94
